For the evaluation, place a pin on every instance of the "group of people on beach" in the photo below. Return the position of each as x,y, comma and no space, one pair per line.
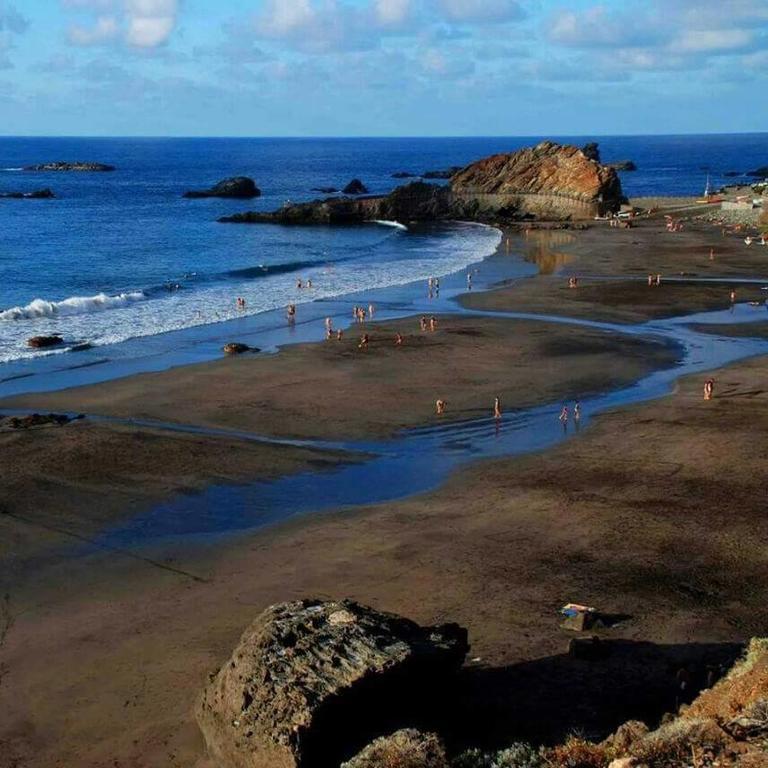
565,415
300,284
427,324
654,279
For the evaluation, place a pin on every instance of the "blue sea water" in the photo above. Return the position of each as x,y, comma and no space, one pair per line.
122,255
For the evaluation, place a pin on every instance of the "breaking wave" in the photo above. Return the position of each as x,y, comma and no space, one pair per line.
75,305
386,223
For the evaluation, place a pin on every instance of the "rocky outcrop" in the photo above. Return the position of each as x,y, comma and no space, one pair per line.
622,165
76,166
39,194
548,182
238,186
404,175
407,748
446,173
38,420
42,342
592,151
761,172
311,682
355,187
325,190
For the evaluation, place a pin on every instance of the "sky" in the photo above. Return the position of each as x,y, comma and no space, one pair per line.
382,67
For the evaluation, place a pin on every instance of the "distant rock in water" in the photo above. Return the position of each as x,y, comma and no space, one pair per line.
325,190
42,342
355,187
404,175
40,194
549,182
444,174
762,172
312,682
238,186
592,151
622,165
76,166
731,174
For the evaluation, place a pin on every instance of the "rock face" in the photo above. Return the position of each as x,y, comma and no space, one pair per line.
592,151
355,187
39,194
41,342
623,165
311,682
549,182
546,181
76,166
407,748
238,186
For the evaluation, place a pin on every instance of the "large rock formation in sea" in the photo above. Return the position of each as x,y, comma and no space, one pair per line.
312,682
241,187
78,165
549,181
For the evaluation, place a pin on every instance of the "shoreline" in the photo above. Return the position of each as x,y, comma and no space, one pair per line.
645,514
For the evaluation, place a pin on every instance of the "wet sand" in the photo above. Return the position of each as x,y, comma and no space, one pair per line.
656,512
613,266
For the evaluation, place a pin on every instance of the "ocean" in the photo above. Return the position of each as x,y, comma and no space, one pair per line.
122,255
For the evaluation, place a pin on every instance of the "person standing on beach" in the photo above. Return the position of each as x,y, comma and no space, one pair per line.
440,407
709,389
339,335
564,417
433,323
363,342
423,323
328,323
733,297
497,408
291,314
398,339
370,310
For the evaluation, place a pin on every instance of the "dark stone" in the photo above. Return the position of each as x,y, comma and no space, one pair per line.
444,174
41,342
39,194
592,151
236,348
403,175
623,165
325,190
76,166
238,186
731,174
355,187
312,682
762,172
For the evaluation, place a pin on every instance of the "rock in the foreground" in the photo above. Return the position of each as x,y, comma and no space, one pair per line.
238,186
38,194
76,166
311,682
42,342
407,748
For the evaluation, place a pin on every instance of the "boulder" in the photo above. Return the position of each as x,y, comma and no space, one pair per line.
76,166
41,342
446,173
592,151
407,748
355,187
39,194
235,348
622,165
311,682
238,186
403,175
325,190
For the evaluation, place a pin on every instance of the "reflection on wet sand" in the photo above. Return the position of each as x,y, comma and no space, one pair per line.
539,249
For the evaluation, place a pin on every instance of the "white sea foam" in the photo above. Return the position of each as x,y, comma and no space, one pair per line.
75,305
13,169
80,319
387,223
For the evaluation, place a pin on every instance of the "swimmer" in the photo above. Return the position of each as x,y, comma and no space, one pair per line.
564,416
299,284
309,284
328,323
291,313
370,310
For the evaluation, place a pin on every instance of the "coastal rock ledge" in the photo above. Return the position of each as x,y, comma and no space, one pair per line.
76,166
312,682
550,181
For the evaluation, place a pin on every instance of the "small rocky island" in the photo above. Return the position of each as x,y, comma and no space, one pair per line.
549,181
241,187
76,166
39,194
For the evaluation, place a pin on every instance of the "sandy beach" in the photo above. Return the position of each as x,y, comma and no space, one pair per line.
655,512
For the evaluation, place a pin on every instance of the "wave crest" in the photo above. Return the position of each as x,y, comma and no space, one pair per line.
75,305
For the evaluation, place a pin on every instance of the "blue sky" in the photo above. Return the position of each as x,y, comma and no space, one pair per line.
382,67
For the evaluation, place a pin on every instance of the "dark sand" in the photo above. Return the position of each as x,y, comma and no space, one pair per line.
657,512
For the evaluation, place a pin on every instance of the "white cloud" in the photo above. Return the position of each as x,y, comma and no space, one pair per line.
710,40
481,10
12,23
392,12
139,23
